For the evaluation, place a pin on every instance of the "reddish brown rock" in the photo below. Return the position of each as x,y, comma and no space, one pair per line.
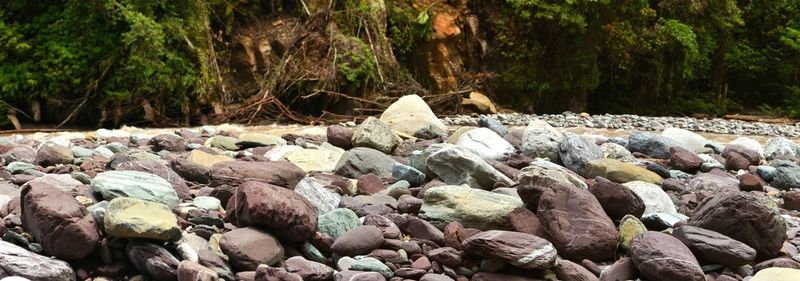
168,142
192,271
567,270
51,154
283,212
738,157
340,136
234,173
520,249
684,160
152,260
791,200
616,199
266,273
486,276
446,256
661,257
358,241
369,184
309,270
421,229
751,182
248,247
778,262
523,220
577,224
715,247
63,227
622,269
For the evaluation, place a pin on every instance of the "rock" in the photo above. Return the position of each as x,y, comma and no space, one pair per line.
223,142
713,182
486,144
435,277
747,217
486,276
407,173
684,160
781,148
577,224
766,172
714,247
168,142
616,151
352,275
16,261
19,154
751,182
372,265
471,207
777,274
192,271
490,123
322,198
62,182
791,200
412,116
654,198
235,173
205,159
135,184
661,257
749,144
285,213
51,154
457,166
622,269
567,270
337,222
341,136
576,151
309,270
248,247
159,169
619,171
207,203
190,171
446,255
616,199
420,229
738,157
63,227
787,175
375,134
259,139
360,161
688,139
479,103
651,144
629,228
540,140
153,260
520,249
370,184
358,241
314,160
135,218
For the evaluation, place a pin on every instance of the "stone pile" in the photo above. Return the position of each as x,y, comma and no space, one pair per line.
398,198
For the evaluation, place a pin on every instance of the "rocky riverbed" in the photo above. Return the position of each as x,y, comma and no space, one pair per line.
400,196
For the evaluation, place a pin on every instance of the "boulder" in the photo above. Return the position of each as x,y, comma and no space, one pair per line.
51,154
284,212
63,227
750,218
688,139
248,247
749,144
457,166
375,134
471,207
787,175
135,218
17,261
235,173
358,241
412,116
486,144
135,184
152,260
360,161
781,148
340,136
619,171
738,157
654,198
323,199
159,169
661,257
655,146
540,140
616,199
168,142
576,151
519,249
577,224
715,247
684,160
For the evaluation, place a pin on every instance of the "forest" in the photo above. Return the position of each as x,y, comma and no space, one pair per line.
180,62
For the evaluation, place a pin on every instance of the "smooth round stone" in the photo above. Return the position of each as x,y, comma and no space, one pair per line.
136,218
337,222
373,265
207,203
777,274
140,185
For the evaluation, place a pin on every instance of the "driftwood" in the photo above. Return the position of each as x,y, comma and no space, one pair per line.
762,119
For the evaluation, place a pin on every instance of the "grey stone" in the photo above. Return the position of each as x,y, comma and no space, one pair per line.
651,144
781,148
325,200
16,261
337,222
456,166
360,161
471,207
486,144
540,140
373,133
575,151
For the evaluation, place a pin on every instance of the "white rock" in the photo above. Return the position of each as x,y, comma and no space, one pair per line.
486,143
324,199
654,198
749,144
411,114
540,140
280,152
688,139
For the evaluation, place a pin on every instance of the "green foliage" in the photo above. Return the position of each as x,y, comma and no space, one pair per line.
407,27
357,65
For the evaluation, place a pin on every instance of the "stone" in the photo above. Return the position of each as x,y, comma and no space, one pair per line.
17,261
360,161
629,228
207,203
411,115
259,139
622,269
471,207
370,184
713,182
655,146
235,173
618,171
325,200
777,274
340,136
738,157
134,184
62,182
192,271
523,220
787,175
490,123
715,247
435,277
577,224
223,142
420,229
370,264
407,173
375,134
445,255
519,249
567,270
358,241
190,171
751,182
486,144
781,148
684,160
766,172
159,169
353,275
654,198
479,103
63,227
791,200
205,159
248,247
51,154
309,270
576,151
457,166
662,221
540,140
314,160
135,218
168,142
688,139
747,217
285,213
749,144
389,229
661,257
616,199
152,260
19,154
616,151
337,222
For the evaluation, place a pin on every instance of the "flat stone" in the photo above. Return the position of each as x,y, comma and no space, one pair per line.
616,199
715,247
486,144
314,160
135,184
284,212
520,249
471,207
337,222
205,159
361,161
325,200
235,173
136,218
654,198
661,257
17,261
248,247
457,166
618,171
259,139
358,241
